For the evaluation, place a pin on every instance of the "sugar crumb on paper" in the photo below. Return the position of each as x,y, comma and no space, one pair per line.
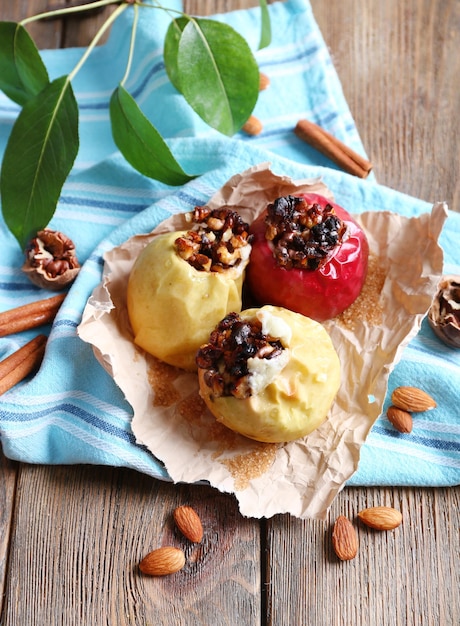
368,306
161,377
246,467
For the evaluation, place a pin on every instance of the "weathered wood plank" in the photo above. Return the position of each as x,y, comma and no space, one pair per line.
46,34
406,576
8,476
80,532
399,66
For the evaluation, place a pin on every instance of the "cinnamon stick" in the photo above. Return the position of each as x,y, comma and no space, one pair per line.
21,363
338,152
30,315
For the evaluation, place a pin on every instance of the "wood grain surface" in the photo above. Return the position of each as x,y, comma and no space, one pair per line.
71,537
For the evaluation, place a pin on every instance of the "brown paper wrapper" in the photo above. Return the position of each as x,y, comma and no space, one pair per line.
302,477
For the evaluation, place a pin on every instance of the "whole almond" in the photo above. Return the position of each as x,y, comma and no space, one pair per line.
412,399
189,524
344,539
381,517
162,561
253,126
401,420
264,81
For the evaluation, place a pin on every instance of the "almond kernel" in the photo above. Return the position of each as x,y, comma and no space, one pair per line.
401,420
412,399
162,561
264,81
253,126
344,539
189,524
381,517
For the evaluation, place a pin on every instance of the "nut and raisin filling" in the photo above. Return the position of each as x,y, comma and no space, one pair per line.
219,241
303,235
233,345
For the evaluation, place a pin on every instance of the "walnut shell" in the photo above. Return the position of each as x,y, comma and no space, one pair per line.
444,313
51,261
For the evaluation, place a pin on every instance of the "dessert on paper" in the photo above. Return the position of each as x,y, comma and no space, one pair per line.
170,418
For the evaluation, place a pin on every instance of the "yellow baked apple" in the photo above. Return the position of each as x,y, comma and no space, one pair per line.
269,374
183,283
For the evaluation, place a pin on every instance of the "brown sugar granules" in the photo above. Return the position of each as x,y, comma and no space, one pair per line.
161,377
192,408
368,306
245,467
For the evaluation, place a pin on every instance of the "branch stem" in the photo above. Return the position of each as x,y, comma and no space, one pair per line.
97,37
131,45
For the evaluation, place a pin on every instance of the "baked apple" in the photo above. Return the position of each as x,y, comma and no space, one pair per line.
183,283
308,255
269,374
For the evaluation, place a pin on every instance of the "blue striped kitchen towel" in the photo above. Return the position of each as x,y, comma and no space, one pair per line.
71,411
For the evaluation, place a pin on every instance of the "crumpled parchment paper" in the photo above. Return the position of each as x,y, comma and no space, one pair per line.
302,477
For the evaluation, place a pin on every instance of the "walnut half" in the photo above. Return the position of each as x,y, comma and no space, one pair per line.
444,313
51,261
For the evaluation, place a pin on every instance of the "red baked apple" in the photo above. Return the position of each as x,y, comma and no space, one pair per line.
308,255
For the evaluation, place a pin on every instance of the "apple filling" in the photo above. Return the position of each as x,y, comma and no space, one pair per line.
241,357
219,241
303,235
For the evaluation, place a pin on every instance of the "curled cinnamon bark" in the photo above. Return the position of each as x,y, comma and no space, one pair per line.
30,315
21,363
338,152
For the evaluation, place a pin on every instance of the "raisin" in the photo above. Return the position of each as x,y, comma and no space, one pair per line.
208,355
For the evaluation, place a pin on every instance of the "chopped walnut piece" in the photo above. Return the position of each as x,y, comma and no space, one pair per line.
219,241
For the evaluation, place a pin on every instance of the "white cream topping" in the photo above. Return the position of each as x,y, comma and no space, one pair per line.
275,327
236,270
264,371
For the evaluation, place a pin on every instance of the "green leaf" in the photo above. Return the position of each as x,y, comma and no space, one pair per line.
39,155
218,74
265,25
171,48
140,142
22,72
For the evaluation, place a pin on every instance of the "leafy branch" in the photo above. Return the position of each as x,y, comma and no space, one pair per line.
207,61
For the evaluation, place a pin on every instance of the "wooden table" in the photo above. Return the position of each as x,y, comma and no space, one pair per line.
71,537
